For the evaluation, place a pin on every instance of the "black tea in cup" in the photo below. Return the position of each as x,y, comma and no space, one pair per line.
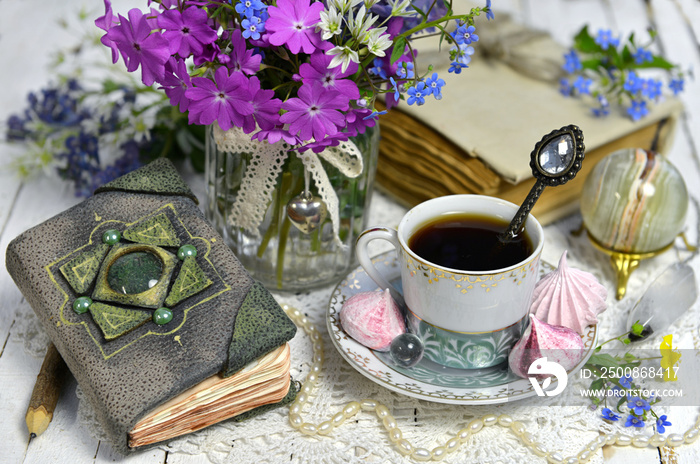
469,242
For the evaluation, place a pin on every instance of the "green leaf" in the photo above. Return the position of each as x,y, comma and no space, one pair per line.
399,47
657,62
637,328
627,57
620,402
110,86
604,360
585,43
598,384
593,63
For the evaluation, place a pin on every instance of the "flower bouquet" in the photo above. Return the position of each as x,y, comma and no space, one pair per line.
607,70
288,89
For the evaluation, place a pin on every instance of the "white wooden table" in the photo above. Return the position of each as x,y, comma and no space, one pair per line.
28,35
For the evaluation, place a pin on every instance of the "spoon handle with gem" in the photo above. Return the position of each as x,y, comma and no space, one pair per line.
555,160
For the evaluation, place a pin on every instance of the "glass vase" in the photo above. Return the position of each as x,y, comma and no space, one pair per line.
280,255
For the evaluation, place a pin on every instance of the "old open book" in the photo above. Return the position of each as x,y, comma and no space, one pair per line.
478,138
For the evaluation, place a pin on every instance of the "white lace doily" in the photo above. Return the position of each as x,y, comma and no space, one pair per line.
269,437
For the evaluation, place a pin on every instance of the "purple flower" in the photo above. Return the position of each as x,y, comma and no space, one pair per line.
638,405
139,46
276,134
609,415
605,39
316,70
292,24
225,100
417,94
175,83
242,59
165,4
634,421
661,424
314,113
187,32
105,23
265,108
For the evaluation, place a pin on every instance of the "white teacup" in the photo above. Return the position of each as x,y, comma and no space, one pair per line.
467,319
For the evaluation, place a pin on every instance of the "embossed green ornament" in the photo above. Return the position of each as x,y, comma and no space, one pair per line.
111,237
82,304
186,251
162,316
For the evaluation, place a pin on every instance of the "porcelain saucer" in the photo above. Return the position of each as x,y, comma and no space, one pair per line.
428,380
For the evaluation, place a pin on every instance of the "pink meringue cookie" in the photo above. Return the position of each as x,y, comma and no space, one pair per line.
569,297
557,344
373,319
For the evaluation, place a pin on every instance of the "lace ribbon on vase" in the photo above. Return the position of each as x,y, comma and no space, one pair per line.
267,159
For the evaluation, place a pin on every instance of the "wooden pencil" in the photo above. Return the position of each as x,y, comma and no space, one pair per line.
46,392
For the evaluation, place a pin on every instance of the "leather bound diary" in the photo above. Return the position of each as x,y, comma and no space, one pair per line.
158,321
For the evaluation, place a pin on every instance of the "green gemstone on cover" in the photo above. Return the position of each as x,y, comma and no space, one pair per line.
111,237
186,251
130,268
80,272
189,281
115,321
82,304
134,272
162,316
157,231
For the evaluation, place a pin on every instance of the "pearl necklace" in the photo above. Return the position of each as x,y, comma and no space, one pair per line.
438,453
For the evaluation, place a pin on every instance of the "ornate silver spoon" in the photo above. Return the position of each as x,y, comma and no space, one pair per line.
555,160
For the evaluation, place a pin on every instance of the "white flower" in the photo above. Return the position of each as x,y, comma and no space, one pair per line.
342,55
401,8
370,3
361,23
378,41
344,5
331,22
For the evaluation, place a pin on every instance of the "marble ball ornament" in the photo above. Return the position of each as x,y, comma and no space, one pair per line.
634,201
